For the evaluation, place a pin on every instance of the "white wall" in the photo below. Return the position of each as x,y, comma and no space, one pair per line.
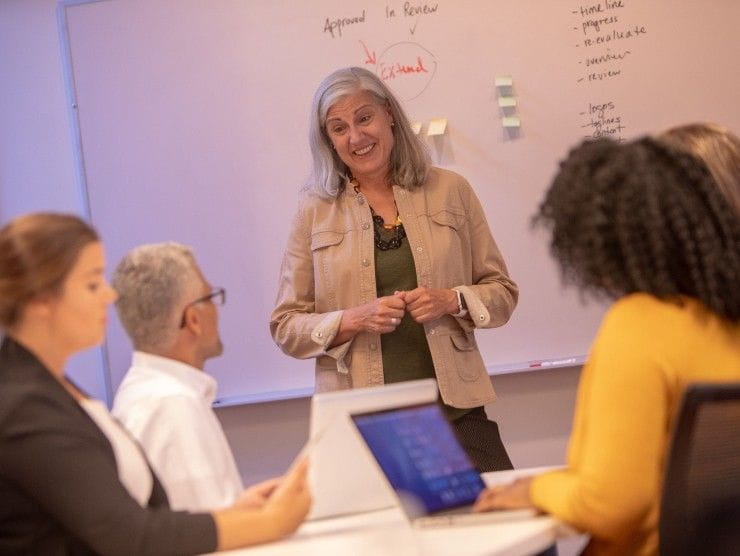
37,169
534,412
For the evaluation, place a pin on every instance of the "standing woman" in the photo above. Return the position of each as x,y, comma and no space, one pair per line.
647,226
390,264
71,480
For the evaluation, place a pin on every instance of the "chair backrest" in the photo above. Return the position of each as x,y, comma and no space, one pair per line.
700,506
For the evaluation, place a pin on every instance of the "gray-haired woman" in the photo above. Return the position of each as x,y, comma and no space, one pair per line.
390,265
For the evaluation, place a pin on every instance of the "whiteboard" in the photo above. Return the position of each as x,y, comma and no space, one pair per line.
192,121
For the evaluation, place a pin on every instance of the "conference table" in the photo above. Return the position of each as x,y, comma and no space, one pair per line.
388,532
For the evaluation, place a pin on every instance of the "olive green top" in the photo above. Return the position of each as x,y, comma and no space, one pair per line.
406,354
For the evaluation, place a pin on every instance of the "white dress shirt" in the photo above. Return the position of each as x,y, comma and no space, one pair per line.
166,405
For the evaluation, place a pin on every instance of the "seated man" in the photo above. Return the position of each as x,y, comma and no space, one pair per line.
169,311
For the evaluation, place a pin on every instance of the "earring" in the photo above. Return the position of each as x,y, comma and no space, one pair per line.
393,123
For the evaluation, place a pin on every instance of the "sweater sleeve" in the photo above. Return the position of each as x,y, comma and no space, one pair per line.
67,471
618,442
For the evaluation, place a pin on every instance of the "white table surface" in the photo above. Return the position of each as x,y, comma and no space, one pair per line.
387,532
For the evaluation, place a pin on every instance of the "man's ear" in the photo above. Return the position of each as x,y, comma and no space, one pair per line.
193,320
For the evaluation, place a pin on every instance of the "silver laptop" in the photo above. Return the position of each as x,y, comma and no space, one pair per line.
343,476
430,473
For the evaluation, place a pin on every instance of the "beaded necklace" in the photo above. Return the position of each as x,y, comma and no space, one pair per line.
392,243
379,224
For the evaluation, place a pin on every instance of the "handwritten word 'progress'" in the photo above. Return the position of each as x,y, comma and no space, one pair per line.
596,24
336,25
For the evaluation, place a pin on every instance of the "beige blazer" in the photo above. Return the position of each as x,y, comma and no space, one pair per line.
329,265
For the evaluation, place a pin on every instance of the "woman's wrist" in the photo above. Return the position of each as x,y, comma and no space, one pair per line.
458,308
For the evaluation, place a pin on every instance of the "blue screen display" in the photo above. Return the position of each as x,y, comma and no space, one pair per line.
419,454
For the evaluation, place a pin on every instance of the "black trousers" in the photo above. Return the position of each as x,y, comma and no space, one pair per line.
481,440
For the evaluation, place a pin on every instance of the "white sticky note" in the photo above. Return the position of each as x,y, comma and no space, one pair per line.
437,126
505,102
511,121
504,81
416,127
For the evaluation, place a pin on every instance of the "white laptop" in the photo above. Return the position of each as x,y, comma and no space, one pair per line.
343,476
430,473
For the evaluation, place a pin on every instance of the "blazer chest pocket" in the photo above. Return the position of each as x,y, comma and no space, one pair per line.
329,257
322,240
449,237
449,219
466,357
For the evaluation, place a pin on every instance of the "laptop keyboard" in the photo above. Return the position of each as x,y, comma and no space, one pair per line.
457,520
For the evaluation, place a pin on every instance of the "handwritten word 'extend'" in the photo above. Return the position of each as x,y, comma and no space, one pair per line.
391,71
336,25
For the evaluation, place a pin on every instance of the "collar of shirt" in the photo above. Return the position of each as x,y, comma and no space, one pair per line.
194,379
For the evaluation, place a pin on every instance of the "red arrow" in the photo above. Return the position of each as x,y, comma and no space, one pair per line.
370,56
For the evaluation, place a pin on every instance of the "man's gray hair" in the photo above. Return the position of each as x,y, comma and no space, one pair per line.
154,283
410,160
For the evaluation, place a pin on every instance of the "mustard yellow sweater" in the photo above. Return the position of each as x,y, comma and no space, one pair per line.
644,355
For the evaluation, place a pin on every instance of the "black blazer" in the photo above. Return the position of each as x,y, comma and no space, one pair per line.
59,487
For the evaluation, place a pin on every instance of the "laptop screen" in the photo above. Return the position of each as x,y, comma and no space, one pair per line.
421,457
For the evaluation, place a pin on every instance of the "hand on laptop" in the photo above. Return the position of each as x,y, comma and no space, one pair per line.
505,497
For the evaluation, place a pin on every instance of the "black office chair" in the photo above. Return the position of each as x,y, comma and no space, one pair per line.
700,507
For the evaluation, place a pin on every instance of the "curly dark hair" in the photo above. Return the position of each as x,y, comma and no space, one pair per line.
643,217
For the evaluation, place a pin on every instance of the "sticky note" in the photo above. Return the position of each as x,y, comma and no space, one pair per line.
505,102
437,126
416,127
504,81
510,121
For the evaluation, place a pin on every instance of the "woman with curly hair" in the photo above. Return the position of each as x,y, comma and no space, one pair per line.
646,225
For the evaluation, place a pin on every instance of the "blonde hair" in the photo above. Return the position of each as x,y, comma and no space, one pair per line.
717,147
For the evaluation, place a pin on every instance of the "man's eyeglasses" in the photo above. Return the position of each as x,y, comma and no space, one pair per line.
217,296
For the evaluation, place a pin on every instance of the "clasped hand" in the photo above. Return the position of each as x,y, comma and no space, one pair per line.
384,314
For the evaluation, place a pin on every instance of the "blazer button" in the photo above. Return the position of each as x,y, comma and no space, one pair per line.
419,249
373,347
365,226
365,262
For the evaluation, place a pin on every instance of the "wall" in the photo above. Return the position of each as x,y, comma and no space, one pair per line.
36,157
534,412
